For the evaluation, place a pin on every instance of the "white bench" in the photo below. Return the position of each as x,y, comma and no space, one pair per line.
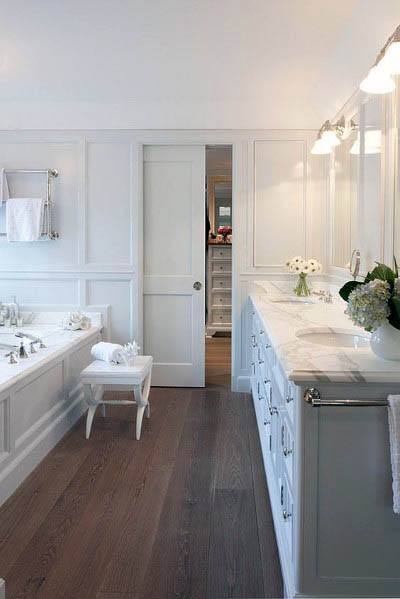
99,374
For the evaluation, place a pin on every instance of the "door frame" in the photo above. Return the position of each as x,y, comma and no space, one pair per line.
185,138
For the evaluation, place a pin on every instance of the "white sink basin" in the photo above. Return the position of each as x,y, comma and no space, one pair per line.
334,337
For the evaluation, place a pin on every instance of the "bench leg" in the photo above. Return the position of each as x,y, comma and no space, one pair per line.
89,419
93,396
103,409
143,405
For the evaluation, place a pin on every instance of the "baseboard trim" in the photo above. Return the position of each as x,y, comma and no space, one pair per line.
243,384
27,460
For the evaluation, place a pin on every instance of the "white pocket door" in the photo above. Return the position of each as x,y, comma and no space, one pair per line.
174,249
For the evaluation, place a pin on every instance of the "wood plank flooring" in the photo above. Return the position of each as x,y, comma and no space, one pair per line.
183,513
218,361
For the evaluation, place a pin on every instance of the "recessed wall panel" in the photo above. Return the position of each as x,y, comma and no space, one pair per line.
109,203
279,201
118,294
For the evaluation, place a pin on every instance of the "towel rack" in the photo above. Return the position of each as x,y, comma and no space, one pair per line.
51,173
313,397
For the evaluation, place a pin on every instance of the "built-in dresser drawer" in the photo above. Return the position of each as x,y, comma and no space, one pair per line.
221,316
220,298
221,282
221,266
221,252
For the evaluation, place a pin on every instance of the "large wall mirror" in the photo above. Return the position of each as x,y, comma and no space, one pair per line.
371,183
344,197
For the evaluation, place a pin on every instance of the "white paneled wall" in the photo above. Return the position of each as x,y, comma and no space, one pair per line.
279,206
92,261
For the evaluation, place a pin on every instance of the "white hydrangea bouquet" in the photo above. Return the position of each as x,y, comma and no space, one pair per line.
302,267
374,305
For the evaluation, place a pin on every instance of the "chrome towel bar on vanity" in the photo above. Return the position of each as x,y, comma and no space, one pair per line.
313,397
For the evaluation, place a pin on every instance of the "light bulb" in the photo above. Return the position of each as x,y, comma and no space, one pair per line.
321,147
390,63
378,81
330,138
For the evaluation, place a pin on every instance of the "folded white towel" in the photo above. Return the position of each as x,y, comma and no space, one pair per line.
4,192
24,219
394,439
109,352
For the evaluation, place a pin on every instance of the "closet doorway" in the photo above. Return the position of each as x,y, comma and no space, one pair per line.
218,265
187,264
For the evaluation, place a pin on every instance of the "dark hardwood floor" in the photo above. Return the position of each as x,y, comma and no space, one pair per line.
183,513
218,361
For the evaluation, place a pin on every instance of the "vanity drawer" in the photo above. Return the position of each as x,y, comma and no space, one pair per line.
221,252
221,266
221,316
286,503
221,298
221,282
287,446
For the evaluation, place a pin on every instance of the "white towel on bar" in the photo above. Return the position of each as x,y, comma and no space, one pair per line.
4,191
109,352
24,219
394,439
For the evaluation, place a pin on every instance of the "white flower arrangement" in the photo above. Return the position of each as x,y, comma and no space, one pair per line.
299,265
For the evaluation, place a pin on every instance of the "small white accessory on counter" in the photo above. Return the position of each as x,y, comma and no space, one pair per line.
77,321
109,352
394,440
24,219
4,192
131,351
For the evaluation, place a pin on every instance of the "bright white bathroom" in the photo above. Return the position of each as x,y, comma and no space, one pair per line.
199,299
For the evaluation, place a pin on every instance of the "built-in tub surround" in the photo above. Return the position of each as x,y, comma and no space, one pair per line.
40,396
328,468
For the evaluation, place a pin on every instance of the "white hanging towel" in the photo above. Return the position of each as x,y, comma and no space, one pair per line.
108,352
24,219
4,192
394,439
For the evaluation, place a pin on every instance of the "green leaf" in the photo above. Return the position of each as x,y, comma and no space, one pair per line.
348,288
382,272
394,306
396,268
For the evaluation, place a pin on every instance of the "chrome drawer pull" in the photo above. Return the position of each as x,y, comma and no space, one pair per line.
261,332
261,361
273,411
286,515
287,452
267,381
289,398
268,346
266,422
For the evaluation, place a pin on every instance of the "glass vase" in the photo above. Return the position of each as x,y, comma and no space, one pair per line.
302,289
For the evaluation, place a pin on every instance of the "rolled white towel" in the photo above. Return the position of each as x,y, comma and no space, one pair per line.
108,352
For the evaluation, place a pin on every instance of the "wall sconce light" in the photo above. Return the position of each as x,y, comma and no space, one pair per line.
330,135
379,79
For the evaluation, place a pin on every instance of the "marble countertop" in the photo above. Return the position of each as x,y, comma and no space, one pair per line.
304,361
57,342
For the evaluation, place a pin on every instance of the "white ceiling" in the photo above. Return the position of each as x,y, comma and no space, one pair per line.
185,63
